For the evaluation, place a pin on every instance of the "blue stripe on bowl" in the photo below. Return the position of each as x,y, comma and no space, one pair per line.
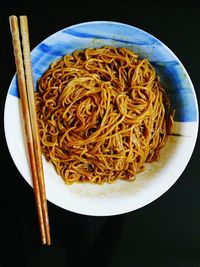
13,89
175,80
96,34
122,39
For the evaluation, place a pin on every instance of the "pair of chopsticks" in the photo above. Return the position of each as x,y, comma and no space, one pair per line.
26,90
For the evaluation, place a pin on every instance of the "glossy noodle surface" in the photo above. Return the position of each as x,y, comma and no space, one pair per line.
102,115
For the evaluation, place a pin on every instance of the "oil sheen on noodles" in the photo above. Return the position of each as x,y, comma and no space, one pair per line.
102,115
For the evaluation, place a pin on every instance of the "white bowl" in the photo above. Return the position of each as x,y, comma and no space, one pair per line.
122,196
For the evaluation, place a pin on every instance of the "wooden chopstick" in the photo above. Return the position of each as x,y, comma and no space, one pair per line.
26,90
33,116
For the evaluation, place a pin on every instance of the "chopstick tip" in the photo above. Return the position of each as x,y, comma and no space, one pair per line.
23,16
12,18
13,23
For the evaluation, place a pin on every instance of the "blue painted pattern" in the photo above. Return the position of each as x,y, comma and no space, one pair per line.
96,34
112,37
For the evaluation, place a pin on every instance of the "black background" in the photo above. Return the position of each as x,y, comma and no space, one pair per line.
164,233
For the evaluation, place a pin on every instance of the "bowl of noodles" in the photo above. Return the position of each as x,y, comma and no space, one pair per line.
116,112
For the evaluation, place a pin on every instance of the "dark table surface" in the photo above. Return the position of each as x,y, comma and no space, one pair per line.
163,233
